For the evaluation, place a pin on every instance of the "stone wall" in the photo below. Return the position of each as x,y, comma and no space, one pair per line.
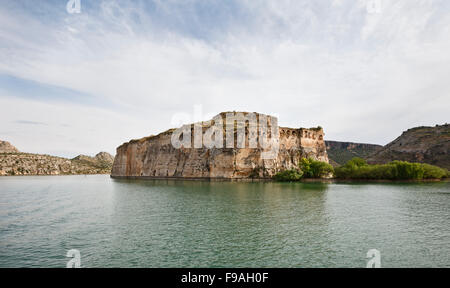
156,157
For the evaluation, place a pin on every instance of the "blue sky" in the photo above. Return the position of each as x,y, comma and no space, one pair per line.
80,83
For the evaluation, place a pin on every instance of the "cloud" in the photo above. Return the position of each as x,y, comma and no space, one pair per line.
91,129
363,77
26,122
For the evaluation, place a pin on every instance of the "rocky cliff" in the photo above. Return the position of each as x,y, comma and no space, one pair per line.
156,156
422,144
341,152
101,160
6,147
16,164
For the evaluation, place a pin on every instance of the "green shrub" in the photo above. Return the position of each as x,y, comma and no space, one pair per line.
321,169
315,169
288,176
305,166
434,172
396,170
406,170
358,162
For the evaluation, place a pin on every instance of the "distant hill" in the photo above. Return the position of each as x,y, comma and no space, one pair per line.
341,152
17,163
101,160
422,144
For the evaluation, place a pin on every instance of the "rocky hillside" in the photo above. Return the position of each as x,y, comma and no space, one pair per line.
422,144
6,147
101,160
341,152
16,163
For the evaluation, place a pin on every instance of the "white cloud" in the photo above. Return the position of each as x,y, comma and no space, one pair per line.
65,129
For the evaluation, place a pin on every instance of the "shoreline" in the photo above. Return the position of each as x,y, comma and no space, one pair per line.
245,180
326,181
44,175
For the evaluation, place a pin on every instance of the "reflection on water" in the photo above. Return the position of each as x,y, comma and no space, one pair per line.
167,223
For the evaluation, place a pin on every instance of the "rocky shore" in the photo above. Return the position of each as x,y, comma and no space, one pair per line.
15,163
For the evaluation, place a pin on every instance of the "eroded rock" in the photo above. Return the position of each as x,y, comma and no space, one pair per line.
155,156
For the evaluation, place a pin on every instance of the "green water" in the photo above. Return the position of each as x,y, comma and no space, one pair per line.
119,223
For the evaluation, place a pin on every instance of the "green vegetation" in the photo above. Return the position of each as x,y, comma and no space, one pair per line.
288,175
315,169
309,168
357,168
434,172
318,128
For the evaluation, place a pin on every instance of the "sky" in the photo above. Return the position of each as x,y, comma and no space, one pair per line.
80,83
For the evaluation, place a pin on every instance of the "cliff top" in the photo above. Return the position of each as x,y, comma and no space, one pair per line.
420,138
208,123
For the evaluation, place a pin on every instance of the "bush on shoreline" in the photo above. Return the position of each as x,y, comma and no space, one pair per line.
357,168
288,175
309,168
315,169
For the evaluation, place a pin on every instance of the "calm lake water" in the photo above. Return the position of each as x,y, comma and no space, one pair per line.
120,223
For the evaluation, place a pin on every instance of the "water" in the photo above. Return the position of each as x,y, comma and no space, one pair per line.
119,223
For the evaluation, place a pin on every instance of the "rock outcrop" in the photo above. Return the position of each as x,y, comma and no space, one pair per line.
156,156
104,157
101,160
18,164
422,144
341,152
6,147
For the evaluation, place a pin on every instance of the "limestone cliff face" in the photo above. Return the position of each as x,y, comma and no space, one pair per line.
155,156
